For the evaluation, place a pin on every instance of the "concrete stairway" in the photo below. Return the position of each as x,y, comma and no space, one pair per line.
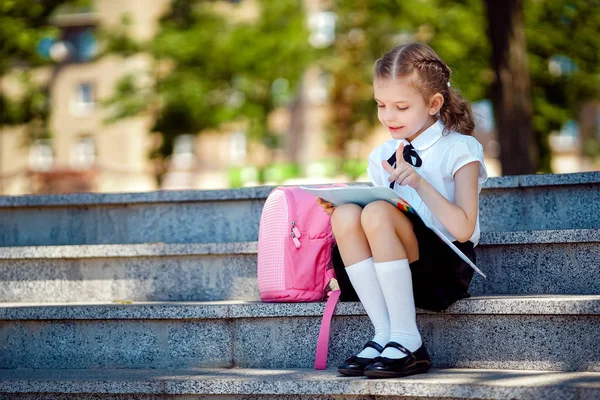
153,296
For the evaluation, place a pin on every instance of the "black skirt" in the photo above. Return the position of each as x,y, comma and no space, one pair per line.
439,276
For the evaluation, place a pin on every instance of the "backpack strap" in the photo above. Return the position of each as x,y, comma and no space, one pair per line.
323,341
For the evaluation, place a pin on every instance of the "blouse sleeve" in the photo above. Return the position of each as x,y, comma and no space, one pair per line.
374,168
467,150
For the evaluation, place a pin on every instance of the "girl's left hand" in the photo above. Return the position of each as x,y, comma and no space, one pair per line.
404,173
326,206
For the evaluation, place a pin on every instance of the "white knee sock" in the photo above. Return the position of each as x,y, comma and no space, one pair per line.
396,283
364,280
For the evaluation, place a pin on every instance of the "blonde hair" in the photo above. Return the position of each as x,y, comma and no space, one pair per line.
433,77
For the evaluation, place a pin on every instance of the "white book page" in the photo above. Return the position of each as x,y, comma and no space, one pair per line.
361,195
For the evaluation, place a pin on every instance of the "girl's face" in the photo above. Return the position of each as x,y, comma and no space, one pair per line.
402,109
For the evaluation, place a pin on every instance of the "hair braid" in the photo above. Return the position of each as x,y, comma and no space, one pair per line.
437,66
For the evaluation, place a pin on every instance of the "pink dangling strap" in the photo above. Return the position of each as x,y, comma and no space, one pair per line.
323,341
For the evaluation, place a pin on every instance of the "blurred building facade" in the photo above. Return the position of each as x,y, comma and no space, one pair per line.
87,154
84,153
302,125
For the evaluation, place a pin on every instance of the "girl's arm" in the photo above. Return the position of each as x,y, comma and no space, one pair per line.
459,217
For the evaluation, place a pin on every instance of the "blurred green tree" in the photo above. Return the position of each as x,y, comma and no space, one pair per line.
564,62
365,30
511,89
458,31
23,24
546,57
210,69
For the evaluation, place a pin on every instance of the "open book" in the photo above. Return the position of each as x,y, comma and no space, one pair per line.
363,195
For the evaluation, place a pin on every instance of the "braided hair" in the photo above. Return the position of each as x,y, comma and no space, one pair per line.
432,76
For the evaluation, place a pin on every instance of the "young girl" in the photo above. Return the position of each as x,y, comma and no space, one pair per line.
394,261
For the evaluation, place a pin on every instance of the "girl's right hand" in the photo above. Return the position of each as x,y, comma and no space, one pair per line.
326,206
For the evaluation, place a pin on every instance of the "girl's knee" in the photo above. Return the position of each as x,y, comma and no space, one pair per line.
346,217
381,214
375,215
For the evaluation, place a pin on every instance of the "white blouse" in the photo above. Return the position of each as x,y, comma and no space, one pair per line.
442,154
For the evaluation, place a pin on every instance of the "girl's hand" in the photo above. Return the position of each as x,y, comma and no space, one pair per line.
404,173
326,206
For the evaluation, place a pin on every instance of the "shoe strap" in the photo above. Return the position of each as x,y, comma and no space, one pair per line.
401,348
374,345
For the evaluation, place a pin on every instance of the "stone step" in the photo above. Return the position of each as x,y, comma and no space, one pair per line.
537,262
541,202
527,202
555,333
141,272
241,383
164,216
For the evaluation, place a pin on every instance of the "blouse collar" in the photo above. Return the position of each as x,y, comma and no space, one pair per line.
427,138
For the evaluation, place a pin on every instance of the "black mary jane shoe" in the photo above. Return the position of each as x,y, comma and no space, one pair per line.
414,363
355,366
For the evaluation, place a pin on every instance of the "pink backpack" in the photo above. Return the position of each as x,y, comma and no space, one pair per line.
295,243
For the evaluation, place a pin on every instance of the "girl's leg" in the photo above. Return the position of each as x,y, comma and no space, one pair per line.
389,233
349,234
394,244
356,254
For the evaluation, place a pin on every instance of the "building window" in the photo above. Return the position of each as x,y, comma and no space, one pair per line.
568,139
318,89
322,28
561,65
83,155
237,148
184,155
41,155
80,42
85,44
84,99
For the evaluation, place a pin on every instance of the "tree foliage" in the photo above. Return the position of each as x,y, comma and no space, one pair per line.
367,29
456,29
23,24
564,63
209,69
